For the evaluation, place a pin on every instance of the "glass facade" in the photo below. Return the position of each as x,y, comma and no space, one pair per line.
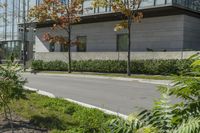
8,47
145,4
10,16
189,4
193,5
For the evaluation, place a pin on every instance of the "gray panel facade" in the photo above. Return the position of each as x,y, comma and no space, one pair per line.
191,33
164,33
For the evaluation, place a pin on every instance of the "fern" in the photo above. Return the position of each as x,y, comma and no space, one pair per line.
190,126
125,126
161,115
188,89
147,129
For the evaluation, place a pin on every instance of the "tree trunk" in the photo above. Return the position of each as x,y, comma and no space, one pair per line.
5,112
69,49
129,48
10,120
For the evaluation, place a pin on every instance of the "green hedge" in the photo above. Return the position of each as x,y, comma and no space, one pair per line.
154,67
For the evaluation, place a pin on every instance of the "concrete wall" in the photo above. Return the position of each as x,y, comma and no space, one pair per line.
191,33
157,33
63,56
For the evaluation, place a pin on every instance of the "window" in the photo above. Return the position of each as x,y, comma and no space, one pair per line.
87,8
51,47
146,3
160,2
122,42
83,42
63,48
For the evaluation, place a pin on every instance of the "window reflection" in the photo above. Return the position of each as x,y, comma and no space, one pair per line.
145,3
87,7
160,2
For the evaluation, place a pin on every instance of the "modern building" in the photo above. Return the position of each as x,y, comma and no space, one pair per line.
168,25
10,16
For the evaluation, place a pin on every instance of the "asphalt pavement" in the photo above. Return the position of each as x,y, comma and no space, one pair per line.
116,95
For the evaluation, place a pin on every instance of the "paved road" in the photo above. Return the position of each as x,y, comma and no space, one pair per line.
121,96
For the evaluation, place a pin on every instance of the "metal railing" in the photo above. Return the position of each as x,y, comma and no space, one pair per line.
193,5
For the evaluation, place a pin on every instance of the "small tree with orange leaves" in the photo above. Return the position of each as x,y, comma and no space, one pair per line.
129,10
63,16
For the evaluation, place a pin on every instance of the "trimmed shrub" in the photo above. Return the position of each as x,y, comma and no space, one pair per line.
154,67
51,65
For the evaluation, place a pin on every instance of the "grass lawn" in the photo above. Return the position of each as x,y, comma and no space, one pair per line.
60,116
141,76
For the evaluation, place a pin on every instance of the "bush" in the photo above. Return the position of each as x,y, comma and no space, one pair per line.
154,67
51,65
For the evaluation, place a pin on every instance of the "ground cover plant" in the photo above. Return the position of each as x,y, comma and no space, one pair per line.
60,116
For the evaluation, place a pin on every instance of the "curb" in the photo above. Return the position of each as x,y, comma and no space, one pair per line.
44,93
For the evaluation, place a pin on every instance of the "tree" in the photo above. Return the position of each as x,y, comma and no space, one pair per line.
63,17
130,13
11,88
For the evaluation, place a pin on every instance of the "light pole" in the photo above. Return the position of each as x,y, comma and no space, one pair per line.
24,35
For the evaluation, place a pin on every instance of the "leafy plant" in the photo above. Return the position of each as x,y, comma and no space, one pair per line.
161,115
192,125
11,87
120,125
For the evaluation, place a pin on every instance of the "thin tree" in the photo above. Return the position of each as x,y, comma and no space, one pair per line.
11,88
63,16
130,13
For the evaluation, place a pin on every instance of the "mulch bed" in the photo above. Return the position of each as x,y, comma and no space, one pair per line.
20,124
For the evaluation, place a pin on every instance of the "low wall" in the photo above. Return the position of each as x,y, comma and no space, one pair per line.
51,56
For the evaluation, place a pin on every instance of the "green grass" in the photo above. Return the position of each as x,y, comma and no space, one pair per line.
2,64
155,77
59,116
140,76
